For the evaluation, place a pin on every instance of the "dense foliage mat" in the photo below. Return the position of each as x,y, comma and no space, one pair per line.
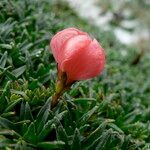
108,112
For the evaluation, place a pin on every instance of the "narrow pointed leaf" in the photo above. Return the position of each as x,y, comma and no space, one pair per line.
94,135
12,104
51,145
86,116
42,116
48,127
76,144
3,60
30,134
19,71
5,123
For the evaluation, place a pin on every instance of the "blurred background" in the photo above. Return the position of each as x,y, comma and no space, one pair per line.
128,19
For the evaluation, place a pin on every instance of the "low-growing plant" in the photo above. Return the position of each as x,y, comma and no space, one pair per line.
107,112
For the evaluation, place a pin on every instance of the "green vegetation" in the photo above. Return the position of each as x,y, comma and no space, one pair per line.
109,112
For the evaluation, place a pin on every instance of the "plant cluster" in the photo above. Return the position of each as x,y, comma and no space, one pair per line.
108,112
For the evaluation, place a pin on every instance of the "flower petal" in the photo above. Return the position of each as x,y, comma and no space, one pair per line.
85,63
58,41
75,44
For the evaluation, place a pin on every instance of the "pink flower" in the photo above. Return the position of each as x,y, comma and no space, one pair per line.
77,54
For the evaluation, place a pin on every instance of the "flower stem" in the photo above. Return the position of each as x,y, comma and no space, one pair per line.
61,87
55,99
58,93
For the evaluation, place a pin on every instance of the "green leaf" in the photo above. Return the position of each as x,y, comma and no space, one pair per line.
76,144
105,137
61,115
115,127
61,134
24,128
86,116
22,93
6,46
8,114
19,71
48,127
4,142
83,100
9,132
3,60
26,47
21,145
94,135
46,77
12,104
30,134
43,116
8,73
5,123
51,145
83,128
25,112
3,99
